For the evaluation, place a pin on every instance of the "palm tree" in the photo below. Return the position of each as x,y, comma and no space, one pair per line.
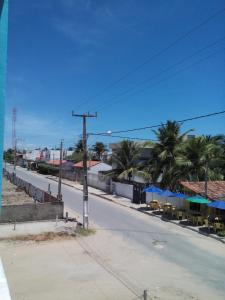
165,151
79,147
125,159
201,159
99,148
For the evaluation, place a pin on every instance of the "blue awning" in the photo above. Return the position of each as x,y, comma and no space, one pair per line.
166,193
152,189
217,204
180,195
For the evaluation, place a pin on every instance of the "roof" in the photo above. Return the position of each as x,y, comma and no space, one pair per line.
90,163
55,162
216,189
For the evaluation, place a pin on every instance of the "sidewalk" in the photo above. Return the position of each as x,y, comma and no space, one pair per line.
139,207
96,192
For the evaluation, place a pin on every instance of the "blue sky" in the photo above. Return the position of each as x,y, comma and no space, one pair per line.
64,54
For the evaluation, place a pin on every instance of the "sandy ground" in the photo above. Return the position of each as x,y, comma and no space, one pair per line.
13,195
101,266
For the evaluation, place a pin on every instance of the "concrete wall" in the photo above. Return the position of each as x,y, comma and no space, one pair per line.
179,203
31,190
122,189
96,182
31,212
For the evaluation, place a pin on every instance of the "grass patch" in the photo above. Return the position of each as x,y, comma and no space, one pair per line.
50,236
80,231
42,237
221,233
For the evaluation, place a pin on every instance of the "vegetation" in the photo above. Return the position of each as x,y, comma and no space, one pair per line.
125,158
174,157
47,169
221,233
8,155
98,150
76,157
77,153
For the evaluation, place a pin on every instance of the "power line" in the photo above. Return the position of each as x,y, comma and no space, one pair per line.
160,81
179,62
121,137
162,124
157,54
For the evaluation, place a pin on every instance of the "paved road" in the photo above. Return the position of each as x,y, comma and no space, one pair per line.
207,265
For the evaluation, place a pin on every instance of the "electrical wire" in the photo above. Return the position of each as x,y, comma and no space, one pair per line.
121,137
163,124
100,108
179,62
156,55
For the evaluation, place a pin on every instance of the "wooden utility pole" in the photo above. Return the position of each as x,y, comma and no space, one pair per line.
59,196
85,156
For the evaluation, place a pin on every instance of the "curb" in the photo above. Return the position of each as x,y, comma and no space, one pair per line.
183,226
144,212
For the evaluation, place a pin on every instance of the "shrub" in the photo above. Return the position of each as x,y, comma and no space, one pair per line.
221,233
47,170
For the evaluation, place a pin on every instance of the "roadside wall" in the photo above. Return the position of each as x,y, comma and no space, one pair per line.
69,175
31,212
179,203
95,182
122,189
31,190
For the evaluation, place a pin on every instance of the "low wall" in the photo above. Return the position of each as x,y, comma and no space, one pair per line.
31,212
34,192
179,203
95,182
122,189
69,175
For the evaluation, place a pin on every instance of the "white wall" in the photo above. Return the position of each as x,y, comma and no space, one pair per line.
179,203
123,189
94,181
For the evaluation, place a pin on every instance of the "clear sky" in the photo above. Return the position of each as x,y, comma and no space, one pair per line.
66,55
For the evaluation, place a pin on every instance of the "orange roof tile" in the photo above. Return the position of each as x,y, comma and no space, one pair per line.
216,189
55,162
90,163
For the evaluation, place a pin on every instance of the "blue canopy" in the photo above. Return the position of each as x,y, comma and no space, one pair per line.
166,193
179,195
152,189
217,204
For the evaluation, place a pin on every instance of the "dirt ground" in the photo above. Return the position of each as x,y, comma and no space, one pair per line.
100,266
12,195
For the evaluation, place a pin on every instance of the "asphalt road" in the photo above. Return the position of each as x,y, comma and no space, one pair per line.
207,265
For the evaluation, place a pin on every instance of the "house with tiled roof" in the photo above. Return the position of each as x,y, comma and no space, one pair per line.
95,169
215,189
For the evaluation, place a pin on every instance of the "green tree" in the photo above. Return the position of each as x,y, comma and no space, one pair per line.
98,149
9,155
162,163
125,159
201,159
77,154
79,147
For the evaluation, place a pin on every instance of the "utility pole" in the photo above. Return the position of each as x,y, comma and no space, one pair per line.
59,196
206,179
85,183
14,138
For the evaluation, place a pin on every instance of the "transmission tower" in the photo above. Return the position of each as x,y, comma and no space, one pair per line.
14,112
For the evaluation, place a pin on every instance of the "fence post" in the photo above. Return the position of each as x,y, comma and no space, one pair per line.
145,295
